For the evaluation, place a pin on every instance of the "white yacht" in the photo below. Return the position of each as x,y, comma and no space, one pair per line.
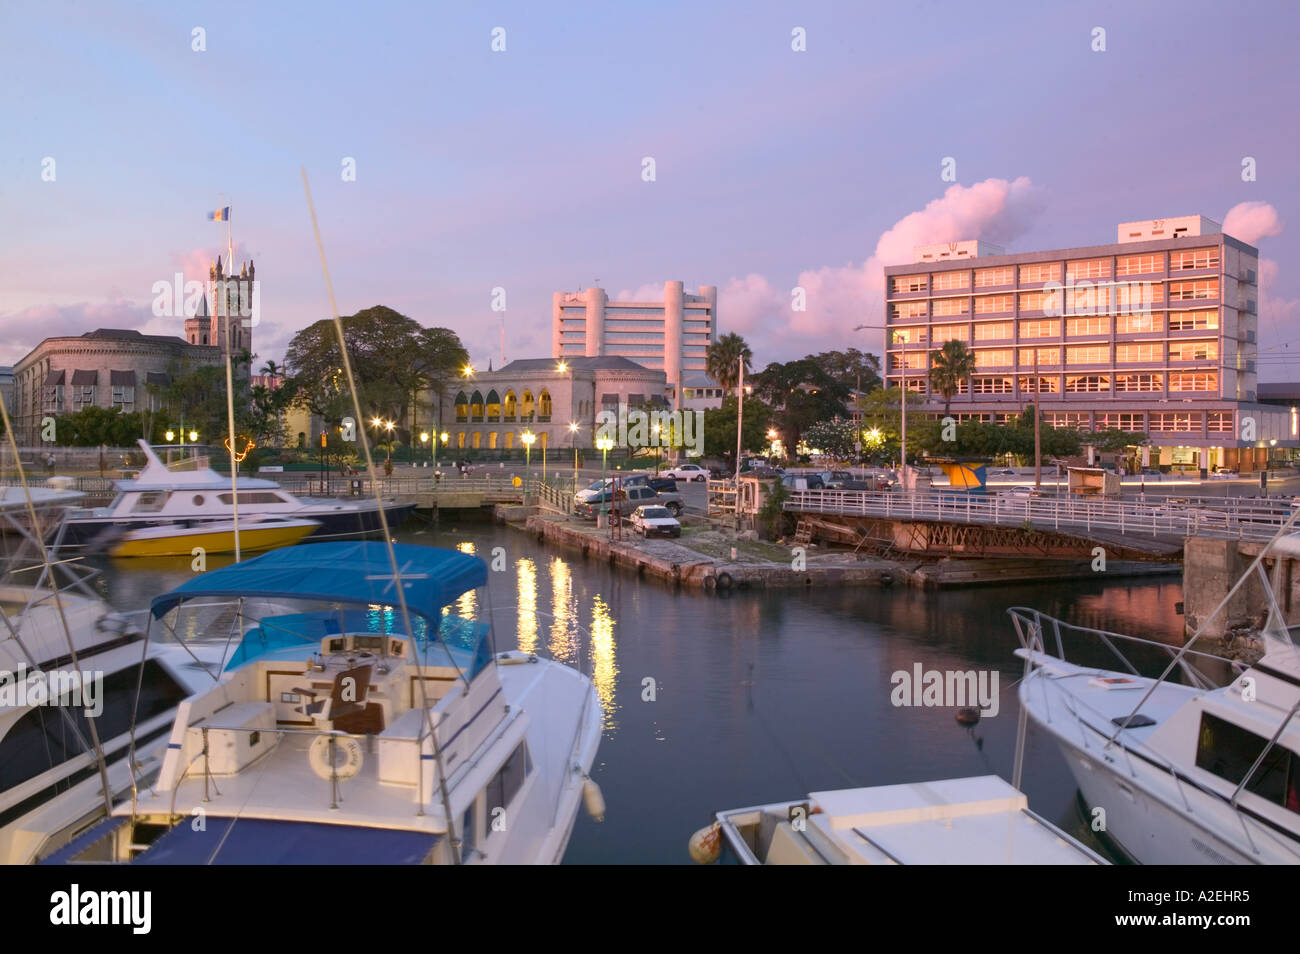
956,821
189,494
51,775
1176,773
341,734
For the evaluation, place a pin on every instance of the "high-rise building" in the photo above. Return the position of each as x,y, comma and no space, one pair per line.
672,335
1156,334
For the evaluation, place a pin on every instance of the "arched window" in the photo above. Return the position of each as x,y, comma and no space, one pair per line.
462,407
478,436
510,440
493,406
526,408
511,407
492,440
460,439
544,405
476,406
545,443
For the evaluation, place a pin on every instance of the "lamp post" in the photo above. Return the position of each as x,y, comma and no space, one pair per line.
654,429
573,439
604,445
424,439
527,438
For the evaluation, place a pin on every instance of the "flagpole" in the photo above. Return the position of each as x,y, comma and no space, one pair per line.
230,389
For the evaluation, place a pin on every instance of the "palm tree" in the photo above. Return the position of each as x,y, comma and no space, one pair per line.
723,361
272,370
949,367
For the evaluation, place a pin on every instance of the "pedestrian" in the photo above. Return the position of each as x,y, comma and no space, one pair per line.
49,464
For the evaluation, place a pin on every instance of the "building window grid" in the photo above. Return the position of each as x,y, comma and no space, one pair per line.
1140,352
994,330
995,277
1087,383
950,306
947,281
1193,321
1040,272
1152,264
1087,268
1088,354
1194,350
1194,291
1176,422
1186,259
1130,383
1092,325
907,284
993,304
1194,381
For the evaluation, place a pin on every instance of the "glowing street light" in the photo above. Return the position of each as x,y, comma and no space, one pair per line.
171,436
194,437
573,439
604,445
527,438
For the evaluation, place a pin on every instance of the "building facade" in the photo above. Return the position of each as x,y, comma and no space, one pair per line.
118,367
672,335
489,411
1156,334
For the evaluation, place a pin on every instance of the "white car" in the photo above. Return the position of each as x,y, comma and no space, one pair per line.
1024,492
687,472
653,521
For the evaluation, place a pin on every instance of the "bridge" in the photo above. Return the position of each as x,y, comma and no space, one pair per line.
1046,526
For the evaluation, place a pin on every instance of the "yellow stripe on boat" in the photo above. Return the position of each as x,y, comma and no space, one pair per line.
184,540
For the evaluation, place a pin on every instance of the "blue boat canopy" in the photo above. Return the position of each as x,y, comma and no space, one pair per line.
356,573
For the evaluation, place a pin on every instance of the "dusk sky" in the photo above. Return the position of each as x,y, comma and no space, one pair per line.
523,168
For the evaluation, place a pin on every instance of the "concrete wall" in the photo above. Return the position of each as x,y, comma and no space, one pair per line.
1210,569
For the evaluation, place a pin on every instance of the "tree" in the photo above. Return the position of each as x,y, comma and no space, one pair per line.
836,437
949,367
720,428
882,421
393,358
800,393
272,370
852,368
723,360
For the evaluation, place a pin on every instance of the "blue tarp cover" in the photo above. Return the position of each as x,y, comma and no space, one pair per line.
261,841
359,573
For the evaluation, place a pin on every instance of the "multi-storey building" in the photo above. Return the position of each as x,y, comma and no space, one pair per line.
1156,334
672,335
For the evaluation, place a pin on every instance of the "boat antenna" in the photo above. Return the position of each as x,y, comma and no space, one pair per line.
383,522
48,574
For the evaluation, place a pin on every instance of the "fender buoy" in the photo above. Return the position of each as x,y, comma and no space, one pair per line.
709,583
593,800
346,752
706,845
886,579
724,580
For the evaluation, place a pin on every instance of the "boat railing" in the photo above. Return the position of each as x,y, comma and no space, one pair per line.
1036,630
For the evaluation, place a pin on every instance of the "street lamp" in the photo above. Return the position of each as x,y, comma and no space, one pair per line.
604,445
171,436
527,438
573,439
424,439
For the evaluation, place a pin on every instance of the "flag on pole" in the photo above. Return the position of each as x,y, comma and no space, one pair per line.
221,215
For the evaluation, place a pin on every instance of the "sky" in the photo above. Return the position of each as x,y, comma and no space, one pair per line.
524,168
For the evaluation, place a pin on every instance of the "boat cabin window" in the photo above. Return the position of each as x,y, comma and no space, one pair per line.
505,785
150,501
1229,751
252,497
363,643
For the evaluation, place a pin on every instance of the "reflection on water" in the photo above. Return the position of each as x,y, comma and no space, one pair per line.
764,695
604,667
526,571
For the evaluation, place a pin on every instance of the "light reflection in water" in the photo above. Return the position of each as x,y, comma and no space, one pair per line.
467,605
604,667
527,572
564,642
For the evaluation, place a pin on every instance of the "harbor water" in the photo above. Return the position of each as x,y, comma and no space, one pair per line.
721,701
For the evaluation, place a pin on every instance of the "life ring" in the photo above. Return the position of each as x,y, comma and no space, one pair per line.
348,756
724,580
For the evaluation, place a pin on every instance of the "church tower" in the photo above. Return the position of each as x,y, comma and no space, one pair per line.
227,320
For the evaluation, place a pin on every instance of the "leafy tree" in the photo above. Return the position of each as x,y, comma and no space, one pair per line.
393,359
882,422
800,393
93,426
949,367
836,437
723,360
720,428
852,368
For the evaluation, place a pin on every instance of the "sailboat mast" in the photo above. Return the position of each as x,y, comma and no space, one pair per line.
230,389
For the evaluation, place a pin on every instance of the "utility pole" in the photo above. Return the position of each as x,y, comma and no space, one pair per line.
1038,430
740,418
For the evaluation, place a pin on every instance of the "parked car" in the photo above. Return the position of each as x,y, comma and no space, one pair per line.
1021,492
636,496
654,521
796,480
665,485
687,472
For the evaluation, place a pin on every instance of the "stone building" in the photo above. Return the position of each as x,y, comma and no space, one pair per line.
119,367
490,410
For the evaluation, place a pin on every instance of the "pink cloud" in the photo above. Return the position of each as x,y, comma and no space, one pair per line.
1252,221
840,297
26,328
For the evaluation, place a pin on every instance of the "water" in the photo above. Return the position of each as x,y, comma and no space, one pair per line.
760,696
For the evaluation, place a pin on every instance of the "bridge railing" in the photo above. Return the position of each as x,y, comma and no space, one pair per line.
1246,520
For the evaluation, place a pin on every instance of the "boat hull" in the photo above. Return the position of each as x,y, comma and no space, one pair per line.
183,542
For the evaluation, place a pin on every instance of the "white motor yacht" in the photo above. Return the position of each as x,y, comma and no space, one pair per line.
189,493
51,773
956,821
341,733
1206,771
